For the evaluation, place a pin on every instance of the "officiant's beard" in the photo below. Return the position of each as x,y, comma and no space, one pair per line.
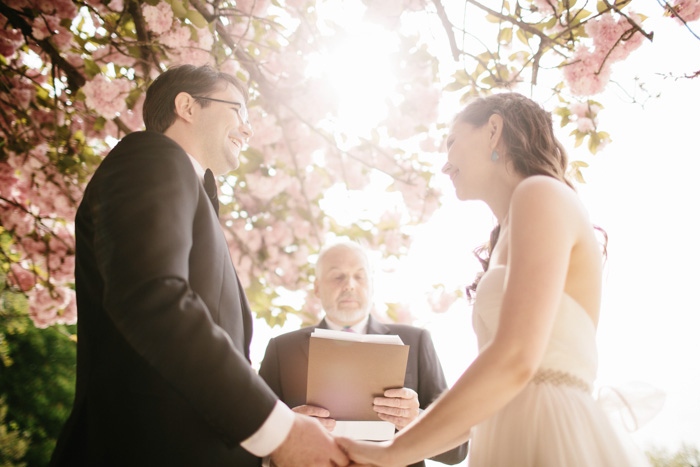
347,317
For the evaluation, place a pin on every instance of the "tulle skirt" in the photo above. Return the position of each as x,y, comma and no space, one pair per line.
550,425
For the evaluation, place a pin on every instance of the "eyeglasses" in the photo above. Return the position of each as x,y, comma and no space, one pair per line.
241,109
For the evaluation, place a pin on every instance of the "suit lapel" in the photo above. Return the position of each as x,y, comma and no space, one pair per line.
376,327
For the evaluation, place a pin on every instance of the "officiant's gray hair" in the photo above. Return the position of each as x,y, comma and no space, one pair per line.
348,245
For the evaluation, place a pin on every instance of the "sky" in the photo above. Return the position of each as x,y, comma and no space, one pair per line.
643,190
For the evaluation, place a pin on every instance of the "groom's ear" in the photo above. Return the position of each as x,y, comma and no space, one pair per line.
185,106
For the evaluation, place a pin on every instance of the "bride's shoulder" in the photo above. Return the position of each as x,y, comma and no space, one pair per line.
540,189
548,201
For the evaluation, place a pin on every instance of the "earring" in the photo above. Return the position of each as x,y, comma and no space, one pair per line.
494,156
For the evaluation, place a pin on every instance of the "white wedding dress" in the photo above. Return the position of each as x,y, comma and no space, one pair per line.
554,421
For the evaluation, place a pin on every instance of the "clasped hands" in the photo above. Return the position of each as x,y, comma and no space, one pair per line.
310,441
398,406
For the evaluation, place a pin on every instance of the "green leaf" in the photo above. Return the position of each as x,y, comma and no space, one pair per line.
523,36
505,35
179,9
453,86
197,19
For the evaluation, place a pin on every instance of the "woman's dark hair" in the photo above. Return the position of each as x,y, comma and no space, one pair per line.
159,106
529,143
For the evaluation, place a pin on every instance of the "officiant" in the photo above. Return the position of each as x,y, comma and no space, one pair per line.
343,283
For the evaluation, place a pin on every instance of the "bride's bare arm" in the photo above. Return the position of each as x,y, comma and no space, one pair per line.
546,220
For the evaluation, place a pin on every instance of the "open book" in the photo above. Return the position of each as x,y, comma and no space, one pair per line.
347,371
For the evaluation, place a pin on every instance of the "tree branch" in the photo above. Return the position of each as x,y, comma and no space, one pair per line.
448,29
75,79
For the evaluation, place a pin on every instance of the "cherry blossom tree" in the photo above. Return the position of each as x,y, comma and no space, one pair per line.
74,73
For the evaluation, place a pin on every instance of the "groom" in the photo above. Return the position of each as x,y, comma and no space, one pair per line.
164,327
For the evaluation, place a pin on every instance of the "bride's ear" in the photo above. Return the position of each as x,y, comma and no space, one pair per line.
495,126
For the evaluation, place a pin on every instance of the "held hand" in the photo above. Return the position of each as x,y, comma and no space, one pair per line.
308,443
317,412
398,406
367,453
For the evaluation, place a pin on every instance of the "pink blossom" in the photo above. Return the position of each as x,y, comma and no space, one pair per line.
44,26
278,234
231,66
584,74
159,18
546,7
580,109
614,36
415,5
386,12
312,183
392,241
65,9
21,278
400,313
312,309
42,306
74,59
69,313
16,220
108,54
441,300
687,10
191,56
267,131
176,37
585,125
116,5
51,305
241,28
8,179
302,229
133,118
266,187
63,39
253,7
422,104
23,97
106,97
250,237
45,6
19,4
10,40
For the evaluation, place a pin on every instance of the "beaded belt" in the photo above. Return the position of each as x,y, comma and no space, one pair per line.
559,378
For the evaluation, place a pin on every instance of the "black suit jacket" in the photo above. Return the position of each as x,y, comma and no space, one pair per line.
285,368
164,327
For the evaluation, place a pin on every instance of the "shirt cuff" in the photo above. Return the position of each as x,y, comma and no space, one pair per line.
272,432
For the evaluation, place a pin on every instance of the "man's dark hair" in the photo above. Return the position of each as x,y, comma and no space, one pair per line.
159,106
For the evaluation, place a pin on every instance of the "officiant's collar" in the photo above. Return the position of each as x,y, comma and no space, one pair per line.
360,328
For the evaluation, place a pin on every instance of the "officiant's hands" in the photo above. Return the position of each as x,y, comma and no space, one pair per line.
398,406
319,413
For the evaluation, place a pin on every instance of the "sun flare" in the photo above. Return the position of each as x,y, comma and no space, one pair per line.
358,70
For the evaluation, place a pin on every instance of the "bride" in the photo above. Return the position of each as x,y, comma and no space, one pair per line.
526,399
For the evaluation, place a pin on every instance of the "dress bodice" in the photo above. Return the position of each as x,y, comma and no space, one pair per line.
572,344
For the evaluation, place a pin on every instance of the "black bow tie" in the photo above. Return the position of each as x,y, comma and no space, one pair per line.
211,189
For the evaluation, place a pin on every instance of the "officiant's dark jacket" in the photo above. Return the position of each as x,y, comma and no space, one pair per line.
164,377
285,364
